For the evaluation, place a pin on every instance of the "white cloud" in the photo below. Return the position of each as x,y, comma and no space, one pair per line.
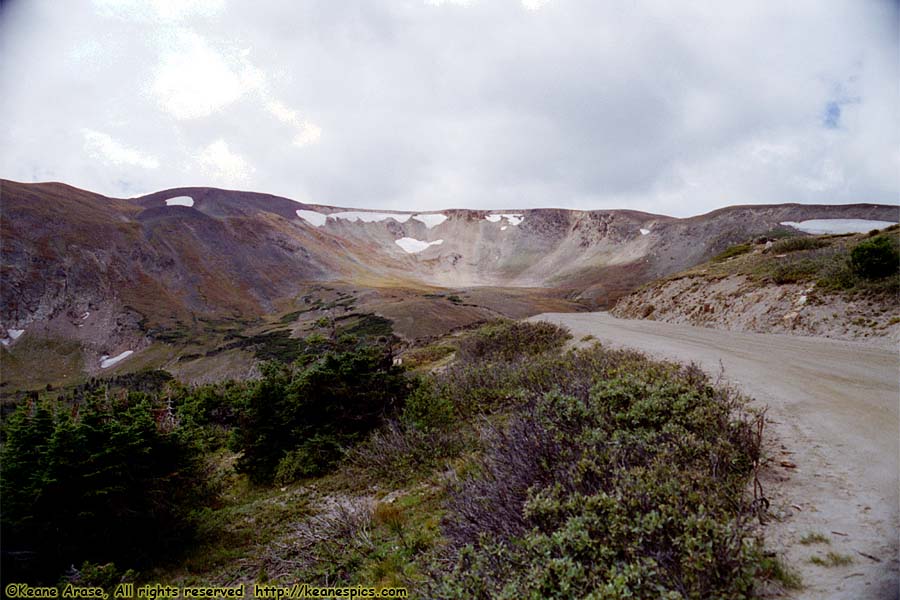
193,80
305,132
442,2
103,147
413,104
158,10
217,163
534,4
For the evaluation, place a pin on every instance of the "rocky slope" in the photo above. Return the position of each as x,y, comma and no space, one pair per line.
767,292
89,276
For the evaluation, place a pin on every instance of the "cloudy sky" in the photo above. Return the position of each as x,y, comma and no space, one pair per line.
670,107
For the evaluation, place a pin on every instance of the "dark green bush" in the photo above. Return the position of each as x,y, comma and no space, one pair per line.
110,480
509,340
315,412
875,258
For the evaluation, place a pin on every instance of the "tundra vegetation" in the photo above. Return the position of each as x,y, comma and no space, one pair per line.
867,264
519,469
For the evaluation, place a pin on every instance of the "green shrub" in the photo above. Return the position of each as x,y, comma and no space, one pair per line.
106,576
370,325
794,271
396,454
309,459
509,340
114,479
315,411
426,409
630,484
875,258
796,244
732,251
419,357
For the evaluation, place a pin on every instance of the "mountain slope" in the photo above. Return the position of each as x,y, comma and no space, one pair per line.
124,274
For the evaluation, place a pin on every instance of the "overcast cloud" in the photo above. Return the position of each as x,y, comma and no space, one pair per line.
669,107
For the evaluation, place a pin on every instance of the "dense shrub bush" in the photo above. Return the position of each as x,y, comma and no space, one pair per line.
875,258
795,244
397,454
508,340
299,420
110,480
625,484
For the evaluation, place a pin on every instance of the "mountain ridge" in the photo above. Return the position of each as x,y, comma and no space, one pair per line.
117,274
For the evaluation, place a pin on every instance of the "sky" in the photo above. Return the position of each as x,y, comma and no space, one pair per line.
667,107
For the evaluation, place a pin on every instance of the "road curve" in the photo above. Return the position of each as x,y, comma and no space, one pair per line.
833,410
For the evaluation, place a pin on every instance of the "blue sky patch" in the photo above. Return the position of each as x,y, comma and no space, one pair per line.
832,117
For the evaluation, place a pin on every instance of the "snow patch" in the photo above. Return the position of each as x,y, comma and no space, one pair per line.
312,217
14,334
431,220
318,219
412,245
512,218
106,361
837,225
180,201
370,217
644,231
504,228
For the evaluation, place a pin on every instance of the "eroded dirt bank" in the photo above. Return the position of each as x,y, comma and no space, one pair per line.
832,412
738,303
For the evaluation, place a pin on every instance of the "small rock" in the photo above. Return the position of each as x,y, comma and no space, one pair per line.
787,464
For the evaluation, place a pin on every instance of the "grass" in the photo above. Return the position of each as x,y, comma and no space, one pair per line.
814,538
732,251
832,559
369,325
777,570
428,355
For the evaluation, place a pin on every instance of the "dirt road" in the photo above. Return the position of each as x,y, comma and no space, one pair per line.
833,412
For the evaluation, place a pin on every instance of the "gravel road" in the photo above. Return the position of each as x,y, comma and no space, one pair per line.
832,411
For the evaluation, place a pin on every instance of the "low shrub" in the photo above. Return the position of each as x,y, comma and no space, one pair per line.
397,454
510,340
794,271
795,244
875,258
733,251
419,357
427,410
626,485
